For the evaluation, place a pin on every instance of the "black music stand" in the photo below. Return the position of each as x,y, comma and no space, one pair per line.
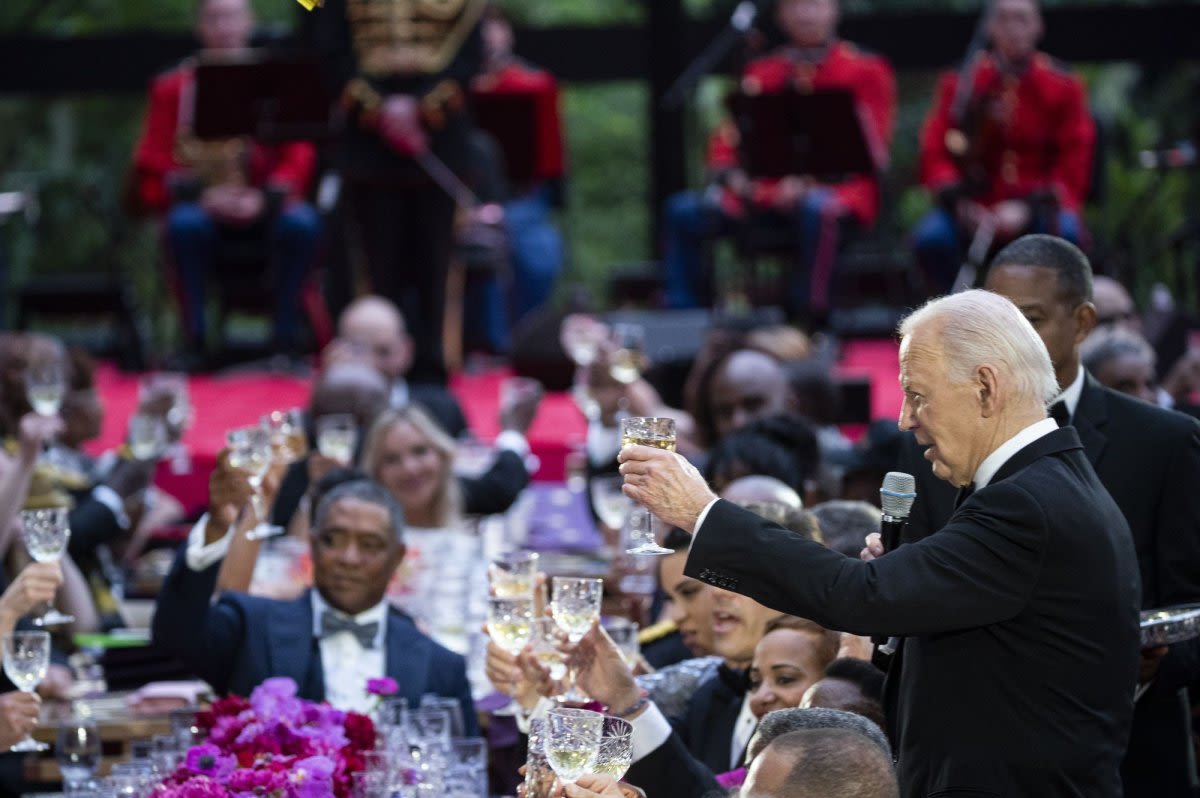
266,96
820,134
511,119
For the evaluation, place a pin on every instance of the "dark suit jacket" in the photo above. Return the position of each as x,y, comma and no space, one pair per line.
707,728
241,640
1020,617
671,771
441,404
493,491
1149,461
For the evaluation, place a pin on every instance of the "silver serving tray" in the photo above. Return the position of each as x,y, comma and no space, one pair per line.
1171,625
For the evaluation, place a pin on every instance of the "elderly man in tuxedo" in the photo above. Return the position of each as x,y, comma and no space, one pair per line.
1019,620
332,639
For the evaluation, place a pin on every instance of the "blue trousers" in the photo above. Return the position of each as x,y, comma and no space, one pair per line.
193,239
692,219
537,260
939,243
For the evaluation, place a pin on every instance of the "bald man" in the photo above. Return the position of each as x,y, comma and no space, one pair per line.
372,329
745,386
1114,305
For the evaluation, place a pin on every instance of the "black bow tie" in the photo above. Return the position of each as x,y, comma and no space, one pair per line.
1060,413
332,623
964,493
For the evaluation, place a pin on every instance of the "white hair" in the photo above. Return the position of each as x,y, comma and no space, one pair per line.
979,327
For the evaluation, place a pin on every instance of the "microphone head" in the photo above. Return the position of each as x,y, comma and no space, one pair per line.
897,494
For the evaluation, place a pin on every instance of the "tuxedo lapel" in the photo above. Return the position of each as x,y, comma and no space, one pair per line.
1061,440
1091,416
292,649
408,657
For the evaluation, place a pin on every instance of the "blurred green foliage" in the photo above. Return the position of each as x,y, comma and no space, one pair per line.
76,150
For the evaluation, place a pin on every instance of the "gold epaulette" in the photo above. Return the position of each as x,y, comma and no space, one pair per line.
657,632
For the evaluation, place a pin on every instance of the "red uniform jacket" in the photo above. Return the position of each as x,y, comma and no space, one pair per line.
843,66
520,78
1034,133
289,165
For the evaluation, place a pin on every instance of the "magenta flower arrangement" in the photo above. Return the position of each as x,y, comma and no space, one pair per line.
274,745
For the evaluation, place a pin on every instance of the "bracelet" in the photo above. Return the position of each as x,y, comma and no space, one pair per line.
642,700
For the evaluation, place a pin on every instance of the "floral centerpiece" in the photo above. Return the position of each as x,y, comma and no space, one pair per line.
272,744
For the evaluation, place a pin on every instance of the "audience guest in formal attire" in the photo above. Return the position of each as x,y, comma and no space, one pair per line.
785,721
790,658
735,389
846,524
1034,574
534,183
1114,305
1017,159
1147,459
213,191
333,638
851,685
372,328
813,59
687,604
783,448
1122,360
816,763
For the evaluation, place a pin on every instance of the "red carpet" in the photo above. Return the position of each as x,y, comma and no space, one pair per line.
222,403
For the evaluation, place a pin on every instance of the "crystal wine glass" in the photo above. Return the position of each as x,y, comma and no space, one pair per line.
608,502
250,451
45,534
546,643
337,436
628,357
510,625
26,660
615,754
575,606
46,386
572,741
624,633
77,751
659,433
514,575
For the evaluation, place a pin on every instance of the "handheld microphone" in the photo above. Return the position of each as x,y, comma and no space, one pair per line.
896,496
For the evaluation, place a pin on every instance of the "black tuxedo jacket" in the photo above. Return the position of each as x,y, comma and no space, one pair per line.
672,771
1021,624
1149,461
241,640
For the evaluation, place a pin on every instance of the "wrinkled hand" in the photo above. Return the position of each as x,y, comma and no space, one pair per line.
400,124
601,670
36,584
855,647
520,403
35,430
1150,660
228,492
18,716
666,484
57,683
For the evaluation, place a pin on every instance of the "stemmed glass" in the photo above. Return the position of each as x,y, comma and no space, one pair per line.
26,660
615,754
286,428
250,451
572,741
147,436
624,633
546,642
510,625
77,751
337,435
608,502
45,388
628,357
45,534
514,575
659,433
575,606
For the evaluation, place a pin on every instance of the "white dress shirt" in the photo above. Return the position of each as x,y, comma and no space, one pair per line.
743,730
1004,452
346,664
1070,397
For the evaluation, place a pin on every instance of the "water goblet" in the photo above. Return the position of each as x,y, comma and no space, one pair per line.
659,433
26,660
45,534
572,741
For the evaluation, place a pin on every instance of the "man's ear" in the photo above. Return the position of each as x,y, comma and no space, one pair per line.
1085,321
986,384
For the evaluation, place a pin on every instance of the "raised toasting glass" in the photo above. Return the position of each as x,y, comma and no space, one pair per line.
628,357
286,428
45,534
615,753
659,433
250,451
26,660
337,435
513,575
510,625
575,606
572,741
147,436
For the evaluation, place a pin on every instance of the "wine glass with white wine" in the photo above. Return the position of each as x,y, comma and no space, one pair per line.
572,741
510,625
337,436
45,534
659,433
250,451
514,575
628,359
615,753
45,388
575,606
26,660
147,436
